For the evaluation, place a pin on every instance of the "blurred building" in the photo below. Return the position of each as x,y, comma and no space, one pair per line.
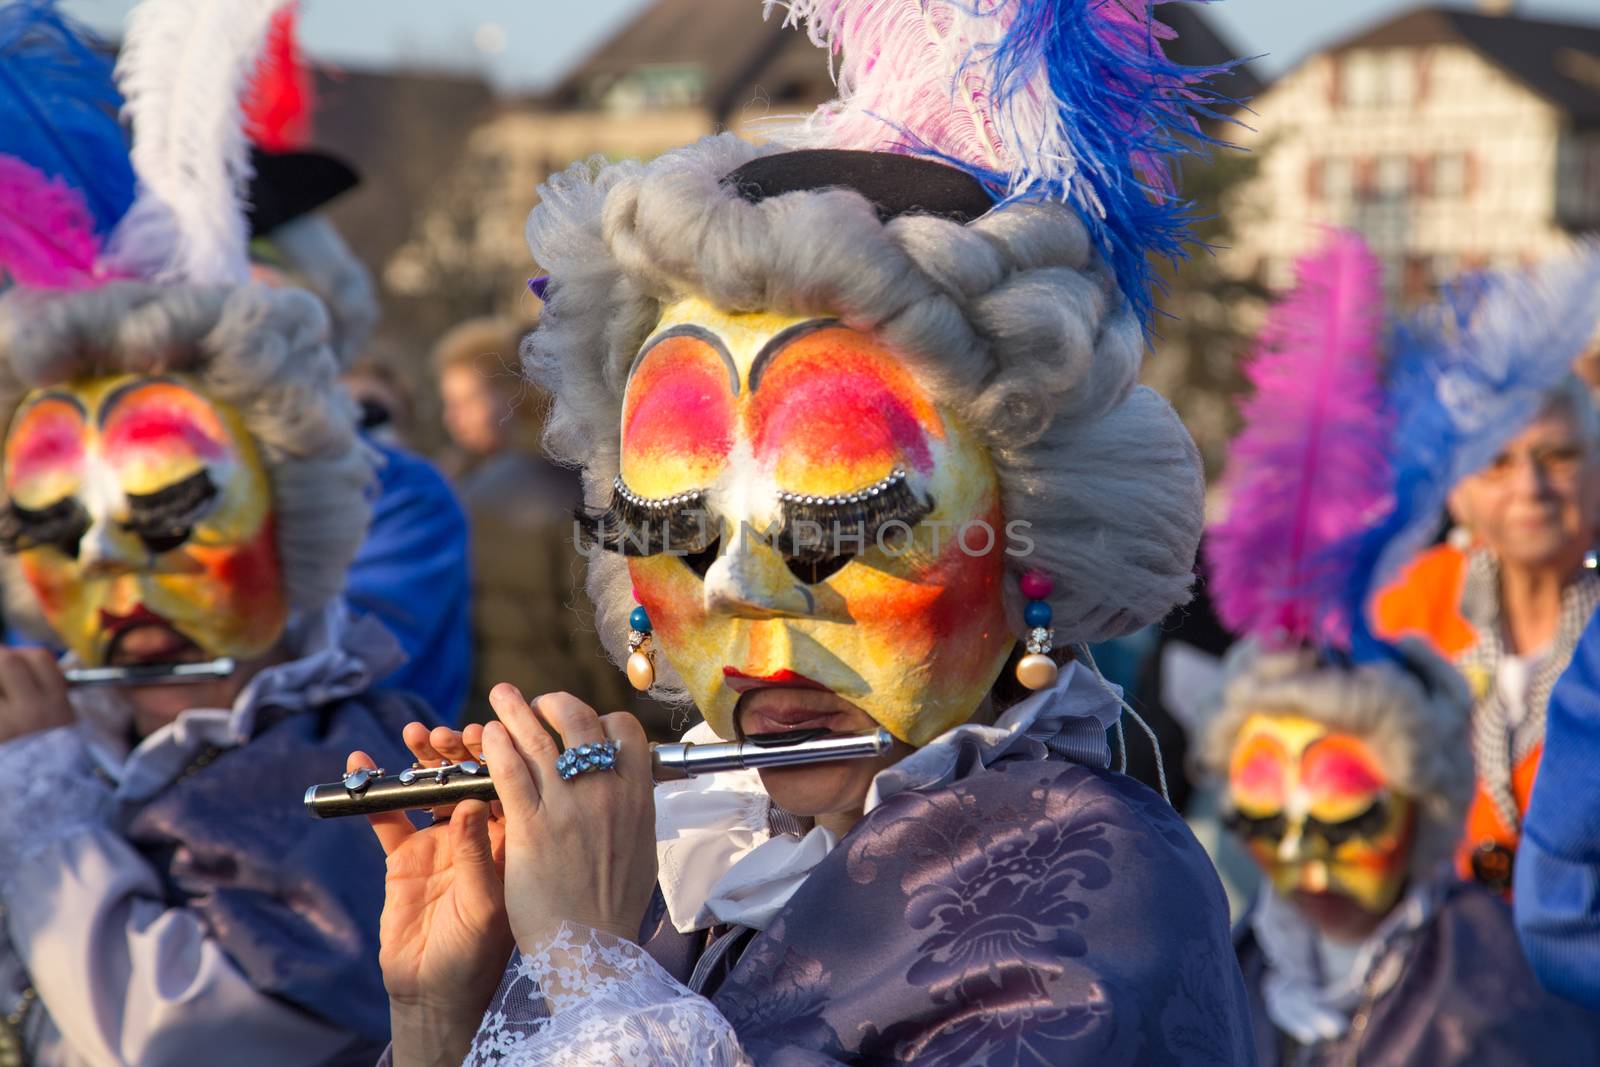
1450,139
681,70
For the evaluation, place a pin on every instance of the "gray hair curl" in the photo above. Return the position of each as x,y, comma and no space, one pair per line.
261,350
1417,732
1012,322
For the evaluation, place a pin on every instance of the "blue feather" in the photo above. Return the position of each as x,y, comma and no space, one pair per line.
1466,375
1130,115
59,108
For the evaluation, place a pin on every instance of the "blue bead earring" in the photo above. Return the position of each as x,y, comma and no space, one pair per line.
1037,670
641,656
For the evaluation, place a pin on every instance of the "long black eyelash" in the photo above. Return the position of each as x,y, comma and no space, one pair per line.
1270,827
165,518
1366,824
61,524
819,528
633,525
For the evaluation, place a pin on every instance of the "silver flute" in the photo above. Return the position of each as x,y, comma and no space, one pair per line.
152,673
368,791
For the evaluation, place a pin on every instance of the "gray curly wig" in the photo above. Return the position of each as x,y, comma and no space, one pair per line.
1418,732
263,351
1012,321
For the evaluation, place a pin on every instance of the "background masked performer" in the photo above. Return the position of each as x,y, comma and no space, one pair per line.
1346,760
182,481
817,395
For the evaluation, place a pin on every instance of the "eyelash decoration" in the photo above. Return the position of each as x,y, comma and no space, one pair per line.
633,525
855,519
1267,827
61,524
1366,824
164,519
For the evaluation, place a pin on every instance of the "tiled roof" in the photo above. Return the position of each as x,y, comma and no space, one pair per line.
1560,61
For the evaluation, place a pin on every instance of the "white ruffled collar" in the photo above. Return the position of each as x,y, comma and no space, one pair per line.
720,862
1312,985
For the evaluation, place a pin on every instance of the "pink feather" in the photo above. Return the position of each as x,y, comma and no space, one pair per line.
47,234
1311,466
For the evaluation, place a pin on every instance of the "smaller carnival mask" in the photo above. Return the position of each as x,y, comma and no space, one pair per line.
1316,811
742,433
140,514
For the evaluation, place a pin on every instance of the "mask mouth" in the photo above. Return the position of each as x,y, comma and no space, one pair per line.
143,638
783,709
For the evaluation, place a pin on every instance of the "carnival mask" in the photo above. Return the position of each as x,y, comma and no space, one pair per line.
1317,813
810,517
141,515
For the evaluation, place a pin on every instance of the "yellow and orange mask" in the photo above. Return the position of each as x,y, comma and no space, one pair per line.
779,429
140,514
1316,811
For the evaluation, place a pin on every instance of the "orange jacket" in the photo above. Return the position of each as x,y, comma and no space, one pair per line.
1425,601
1485,830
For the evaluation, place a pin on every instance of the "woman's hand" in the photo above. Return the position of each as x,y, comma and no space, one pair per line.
580,851
444,937
33,693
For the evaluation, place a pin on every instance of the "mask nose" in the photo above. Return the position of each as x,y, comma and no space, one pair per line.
750,581
106,551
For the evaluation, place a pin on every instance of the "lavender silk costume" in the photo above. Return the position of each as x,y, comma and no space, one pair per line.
1006,900
1448,987
173,905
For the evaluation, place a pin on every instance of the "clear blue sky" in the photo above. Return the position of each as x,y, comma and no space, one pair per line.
526,44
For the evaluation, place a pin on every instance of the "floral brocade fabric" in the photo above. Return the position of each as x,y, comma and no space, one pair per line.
1036,912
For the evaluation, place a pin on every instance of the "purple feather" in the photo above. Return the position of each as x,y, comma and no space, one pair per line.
1311,466
47,236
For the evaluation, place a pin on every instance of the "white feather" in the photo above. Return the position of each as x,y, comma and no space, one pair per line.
183,71
905,74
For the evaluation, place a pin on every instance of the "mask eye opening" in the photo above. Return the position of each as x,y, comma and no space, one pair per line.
700,561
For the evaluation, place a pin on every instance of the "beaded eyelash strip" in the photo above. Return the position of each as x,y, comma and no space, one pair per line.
634,525
812,528
817,528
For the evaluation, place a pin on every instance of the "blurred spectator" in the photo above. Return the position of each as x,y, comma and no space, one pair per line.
1558,866
1511,605
531,624
383,400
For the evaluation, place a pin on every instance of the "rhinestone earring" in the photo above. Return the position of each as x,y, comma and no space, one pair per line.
641,655
1037,670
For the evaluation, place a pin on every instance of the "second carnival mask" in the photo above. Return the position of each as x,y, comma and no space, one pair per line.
140,514
1315,809
799,511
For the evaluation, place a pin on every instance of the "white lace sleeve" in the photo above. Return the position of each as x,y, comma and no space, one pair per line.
587,999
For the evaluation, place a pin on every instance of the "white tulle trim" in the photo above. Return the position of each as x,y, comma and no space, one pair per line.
586,998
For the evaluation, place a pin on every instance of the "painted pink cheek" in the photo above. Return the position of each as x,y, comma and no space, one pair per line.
679,406
42,446
1341,774
159,428
1261,775
837,399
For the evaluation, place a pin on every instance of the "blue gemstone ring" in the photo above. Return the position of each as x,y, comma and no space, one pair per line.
600,756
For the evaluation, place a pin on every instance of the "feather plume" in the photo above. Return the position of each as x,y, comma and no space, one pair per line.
47,237
1071,100
1466,375
279,106
59,109
1310,468
184,67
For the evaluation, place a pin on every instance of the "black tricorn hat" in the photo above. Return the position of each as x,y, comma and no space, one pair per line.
895,184
288,185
